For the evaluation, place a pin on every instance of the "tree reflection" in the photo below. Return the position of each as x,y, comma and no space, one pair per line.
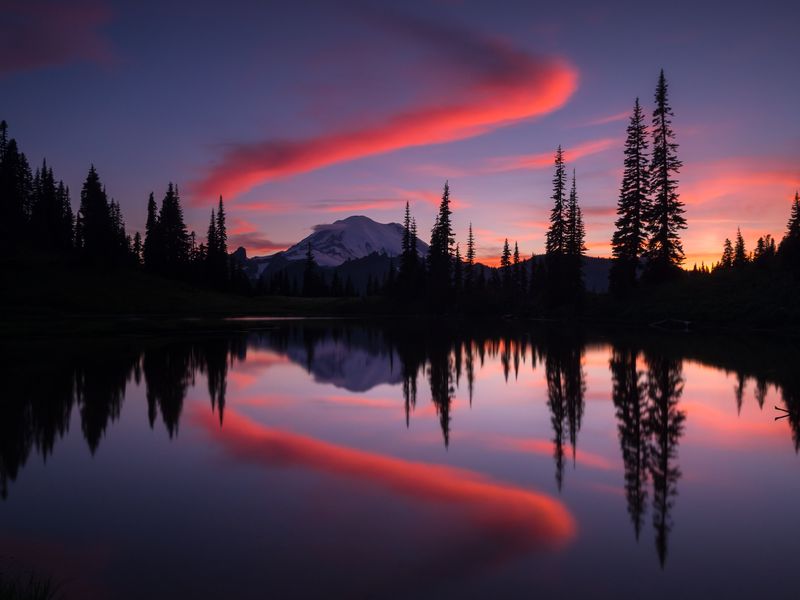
647,383
665,421
630,400
37,409
565,398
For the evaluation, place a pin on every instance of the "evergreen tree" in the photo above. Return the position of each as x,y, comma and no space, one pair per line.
65,219
151,253
51,212
629,242
505,266
222,231
739,252
789,250
559,280
138,249
556,234
458,271
575,234
726,262
793,226
440,253
16,190
211,239
409,260
665,218
469,279
98,235
174,237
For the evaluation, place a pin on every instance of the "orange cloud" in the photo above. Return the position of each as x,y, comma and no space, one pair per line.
245,233
615,118
507,520
503,85
544,160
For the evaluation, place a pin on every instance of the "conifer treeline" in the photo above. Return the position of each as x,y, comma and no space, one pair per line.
646,244
37,218
766,254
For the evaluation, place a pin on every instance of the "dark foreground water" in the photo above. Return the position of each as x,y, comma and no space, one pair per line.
343,460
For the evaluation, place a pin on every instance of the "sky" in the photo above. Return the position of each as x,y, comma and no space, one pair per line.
304,112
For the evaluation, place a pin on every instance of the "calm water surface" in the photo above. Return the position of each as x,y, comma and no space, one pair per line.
345,460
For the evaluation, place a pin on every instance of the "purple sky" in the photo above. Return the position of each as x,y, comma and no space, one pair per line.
307,111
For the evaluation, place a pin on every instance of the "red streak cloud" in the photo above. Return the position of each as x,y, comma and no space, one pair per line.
504,85
516,520
544,160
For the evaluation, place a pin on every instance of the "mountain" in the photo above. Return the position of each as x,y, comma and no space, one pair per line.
335,243
358,248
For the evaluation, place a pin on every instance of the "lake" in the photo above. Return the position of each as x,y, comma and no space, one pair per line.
295,459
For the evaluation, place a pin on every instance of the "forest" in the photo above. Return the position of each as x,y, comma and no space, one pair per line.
648,281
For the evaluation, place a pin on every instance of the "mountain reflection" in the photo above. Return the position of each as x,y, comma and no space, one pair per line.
46,387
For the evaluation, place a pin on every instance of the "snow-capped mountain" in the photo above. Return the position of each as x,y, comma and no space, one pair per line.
353,237
347,239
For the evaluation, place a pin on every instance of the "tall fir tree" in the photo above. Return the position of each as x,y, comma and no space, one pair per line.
789,249
173,235
222,231
555,242
665,218
505,266
739,252
629,242
574,244
440,253
16,191
98,235
575,234
151,252
469,266
557,281
408,255
726,262
458,271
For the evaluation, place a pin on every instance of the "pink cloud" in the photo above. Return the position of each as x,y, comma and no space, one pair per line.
544,160
507,520
43,33
615,118
503,85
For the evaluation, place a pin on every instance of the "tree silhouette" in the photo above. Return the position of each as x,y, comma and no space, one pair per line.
665,218
98,241
152,253
726,261
664,388
565,397
574,246
739,251
440,253
629,241
630,400
174,238
469,266
789,250
556,234
16,190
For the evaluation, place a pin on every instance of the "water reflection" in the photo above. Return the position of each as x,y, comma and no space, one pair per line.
45,385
